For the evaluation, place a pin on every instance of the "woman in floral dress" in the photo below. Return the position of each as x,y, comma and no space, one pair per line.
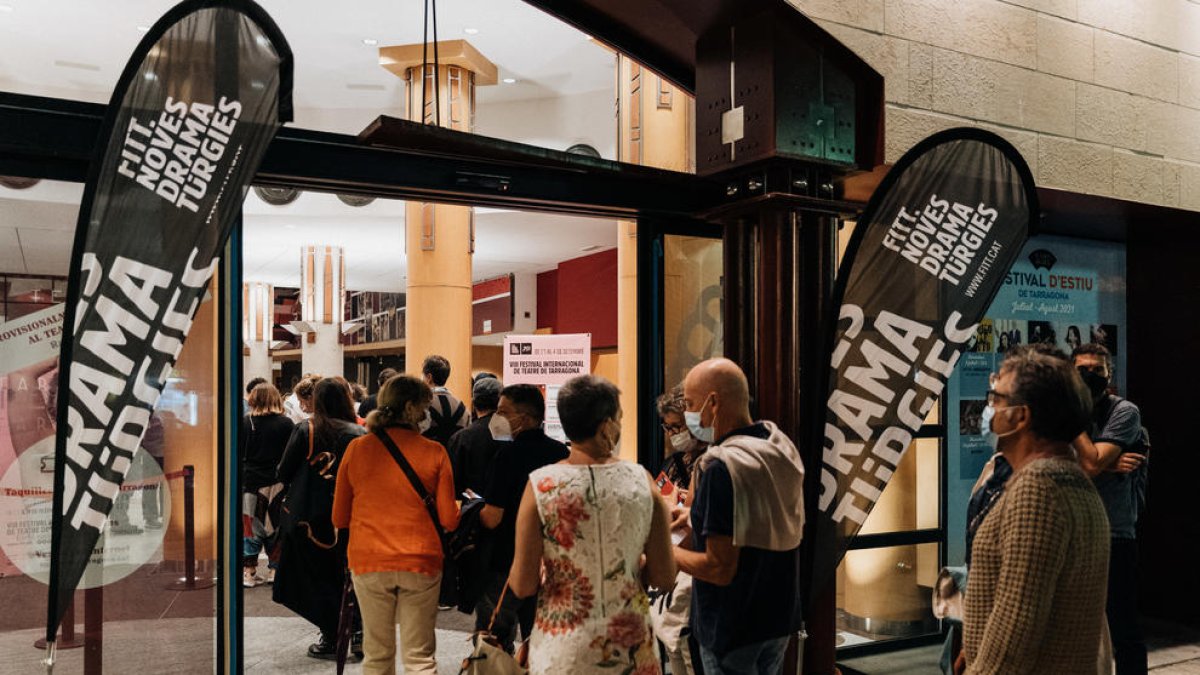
583,528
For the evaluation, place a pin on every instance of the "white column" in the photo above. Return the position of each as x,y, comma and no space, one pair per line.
258,322
322,308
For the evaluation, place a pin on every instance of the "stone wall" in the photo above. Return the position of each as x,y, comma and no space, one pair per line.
1099,96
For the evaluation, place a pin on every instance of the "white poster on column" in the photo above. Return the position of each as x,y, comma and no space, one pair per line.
547,361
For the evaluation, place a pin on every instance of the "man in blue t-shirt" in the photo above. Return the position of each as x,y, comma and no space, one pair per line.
746,520
1108,454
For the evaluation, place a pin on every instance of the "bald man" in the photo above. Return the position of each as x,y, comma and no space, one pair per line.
745,527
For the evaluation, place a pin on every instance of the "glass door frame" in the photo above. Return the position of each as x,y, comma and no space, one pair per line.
651,347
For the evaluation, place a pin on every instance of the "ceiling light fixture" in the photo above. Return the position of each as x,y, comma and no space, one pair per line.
509,80
5,8
471,31
370,42
143,29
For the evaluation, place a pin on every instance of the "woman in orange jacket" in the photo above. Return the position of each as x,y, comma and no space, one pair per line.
395,553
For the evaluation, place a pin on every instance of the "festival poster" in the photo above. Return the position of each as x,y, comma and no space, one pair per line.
547,361
1060,292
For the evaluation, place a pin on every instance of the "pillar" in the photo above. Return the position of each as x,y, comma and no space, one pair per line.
654,121
440,238
322,308
258,323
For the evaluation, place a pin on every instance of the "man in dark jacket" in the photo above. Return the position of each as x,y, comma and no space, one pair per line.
524,448
368,403
472,449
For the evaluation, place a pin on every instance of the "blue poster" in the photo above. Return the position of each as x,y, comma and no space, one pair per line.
1060,292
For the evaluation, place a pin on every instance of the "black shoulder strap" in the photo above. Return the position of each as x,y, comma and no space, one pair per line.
413,478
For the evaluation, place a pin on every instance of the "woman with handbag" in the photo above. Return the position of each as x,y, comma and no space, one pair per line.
312,559
584,527
395,547
265,433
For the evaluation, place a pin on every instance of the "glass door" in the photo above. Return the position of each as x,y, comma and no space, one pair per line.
681,316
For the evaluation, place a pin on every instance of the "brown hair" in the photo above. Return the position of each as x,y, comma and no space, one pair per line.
265,400
304,388
331,401
1050,387
402,401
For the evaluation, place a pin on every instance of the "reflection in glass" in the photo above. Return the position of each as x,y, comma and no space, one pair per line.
692,304
886,593
912,498
141,552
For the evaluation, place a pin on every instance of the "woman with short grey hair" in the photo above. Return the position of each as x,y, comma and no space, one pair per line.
587,521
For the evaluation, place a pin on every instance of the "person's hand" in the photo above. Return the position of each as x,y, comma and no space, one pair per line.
1128,462
680,524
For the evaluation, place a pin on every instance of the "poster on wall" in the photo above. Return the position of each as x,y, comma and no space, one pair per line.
187,125
928,255
1060,292
547,361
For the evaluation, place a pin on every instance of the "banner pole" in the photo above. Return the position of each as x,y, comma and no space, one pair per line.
93,631
67,639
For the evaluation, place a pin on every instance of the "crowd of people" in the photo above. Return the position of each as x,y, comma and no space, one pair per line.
582,562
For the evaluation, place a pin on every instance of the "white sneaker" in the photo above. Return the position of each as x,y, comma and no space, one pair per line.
249,580
270,575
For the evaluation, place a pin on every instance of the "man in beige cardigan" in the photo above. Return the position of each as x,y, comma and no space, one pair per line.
1039,569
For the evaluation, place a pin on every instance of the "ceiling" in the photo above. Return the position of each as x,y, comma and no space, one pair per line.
77,48
37,226
373,238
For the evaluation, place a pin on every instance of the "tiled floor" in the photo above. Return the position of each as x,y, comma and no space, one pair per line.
275,643
1174,650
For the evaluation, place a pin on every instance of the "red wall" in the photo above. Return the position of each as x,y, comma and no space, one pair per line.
585,298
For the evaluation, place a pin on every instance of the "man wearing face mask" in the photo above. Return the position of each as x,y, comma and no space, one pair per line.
746,521
524,448
1106,453
1035,599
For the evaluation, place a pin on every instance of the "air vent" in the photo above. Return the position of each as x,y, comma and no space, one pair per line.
355,200
17,182
366,87
277,196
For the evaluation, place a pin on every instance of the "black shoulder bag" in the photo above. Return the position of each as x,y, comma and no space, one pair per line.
450,581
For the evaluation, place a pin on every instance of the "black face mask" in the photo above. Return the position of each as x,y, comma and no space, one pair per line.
1097,384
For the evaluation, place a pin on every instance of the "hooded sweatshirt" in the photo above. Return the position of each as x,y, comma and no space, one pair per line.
768,488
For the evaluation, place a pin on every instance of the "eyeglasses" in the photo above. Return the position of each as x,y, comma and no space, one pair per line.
1101,370
992,394
674,428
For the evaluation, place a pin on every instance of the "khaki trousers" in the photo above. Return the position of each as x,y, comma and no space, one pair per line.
407,598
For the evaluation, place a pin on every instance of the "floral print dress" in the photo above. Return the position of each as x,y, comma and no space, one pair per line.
592,612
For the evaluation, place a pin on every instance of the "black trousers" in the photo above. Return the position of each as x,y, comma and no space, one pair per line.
1129,646
516,612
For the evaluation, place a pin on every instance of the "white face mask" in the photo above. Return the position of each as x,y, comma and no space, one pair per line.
702,433
500,429
425,423
683,441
